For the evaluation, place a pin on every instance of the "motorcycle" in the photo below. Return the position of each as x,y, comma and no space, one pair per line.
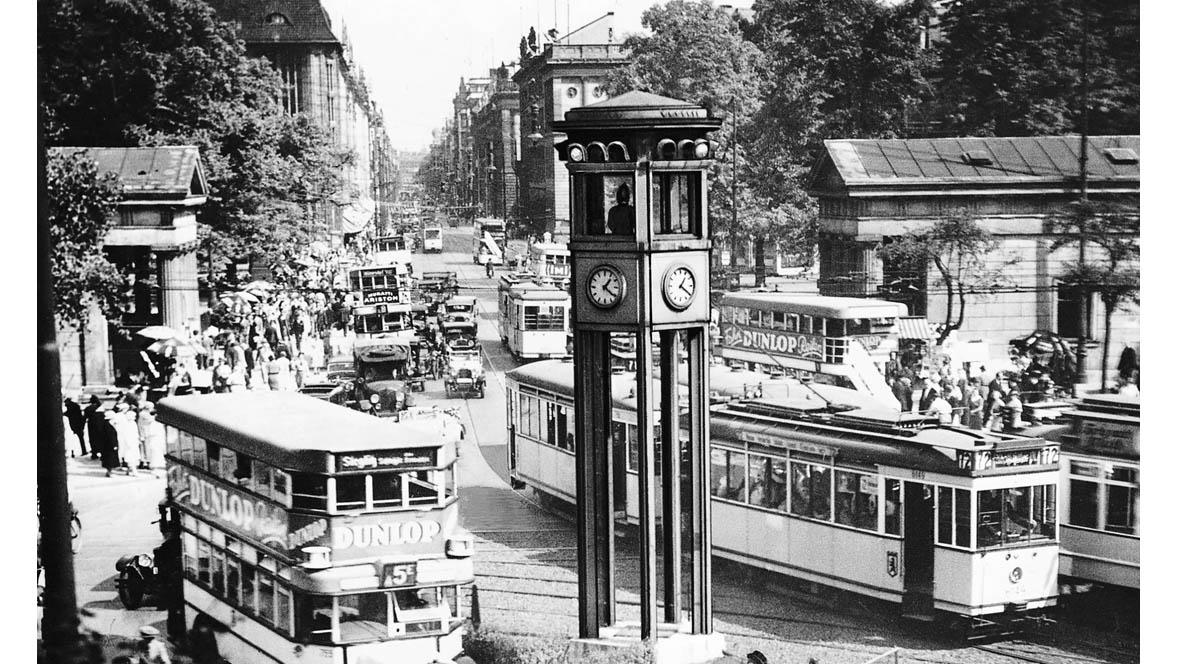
138,578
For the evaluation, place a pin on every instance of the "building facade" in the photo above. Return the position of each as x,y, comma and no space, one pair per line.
567,73
153,238
321,81
870,191
496,141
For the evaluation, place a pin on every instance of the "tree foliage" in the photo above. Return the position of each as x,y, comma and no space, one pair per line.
1014,67
80,203
157,72
960,251
1110,230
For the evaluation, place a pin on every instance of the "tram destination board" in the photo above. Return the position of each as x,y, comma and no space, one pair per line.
380,296
984,460
407,458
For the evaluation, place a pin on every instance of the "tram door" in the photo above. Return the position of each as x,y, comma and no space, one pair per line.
619,470
918,554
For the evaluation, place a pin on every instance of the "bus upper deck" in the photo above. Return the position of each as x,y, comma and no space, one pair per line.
310,525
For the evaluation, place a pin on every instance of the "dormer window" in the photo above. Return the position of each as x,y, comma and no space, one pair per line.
977,158
1121,155
277,19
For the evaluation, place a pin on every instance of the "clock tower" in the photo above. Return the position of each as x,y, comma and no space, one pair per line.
639,247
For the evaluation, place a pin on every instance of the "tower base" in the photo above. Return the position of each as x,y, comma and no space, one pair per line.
675,644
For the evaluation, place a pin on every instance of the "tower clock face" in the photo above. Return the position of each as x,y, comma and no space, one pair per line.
605,287
680,287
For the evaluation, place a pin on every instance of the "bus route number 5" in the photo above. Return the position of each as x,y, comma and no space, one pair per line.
399,574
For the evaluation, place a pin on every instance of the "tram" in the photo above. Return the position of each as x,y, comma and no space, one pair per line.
393,250
534,319
843,341
550,262
488,241
936,519
1100,492
310,532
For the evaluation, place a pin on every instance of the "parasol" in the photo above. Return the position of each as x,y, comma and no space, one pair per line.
241,297
157,332
173,347
259,285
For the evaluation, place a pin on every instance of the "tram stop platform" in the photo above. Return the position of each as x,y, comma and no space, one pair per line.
674,643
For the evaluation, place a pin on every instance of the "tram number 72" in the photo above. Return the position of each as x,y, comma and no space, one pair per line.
399,574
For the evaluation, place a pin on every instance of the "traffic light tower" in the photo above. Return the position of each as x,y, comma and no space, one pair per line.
639,245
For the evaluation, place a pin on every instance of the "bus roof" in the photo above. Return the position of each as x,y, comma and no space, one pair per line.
816,305
290,430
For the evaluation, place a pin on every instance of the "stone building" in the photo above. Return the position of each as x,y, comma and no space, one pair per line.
872,190
567,73
154,238
496,137
321,81
468,177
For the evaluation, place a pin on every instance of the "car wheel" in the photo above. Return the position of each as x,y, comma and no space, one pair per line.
130,588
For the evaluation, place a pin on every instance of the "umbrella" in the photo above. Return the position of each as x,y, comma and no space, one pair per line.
259,285
157,332
239,298
172,347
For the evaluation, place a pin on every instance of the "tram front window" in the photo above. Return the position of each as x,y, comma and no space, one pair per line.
1016,515
363,617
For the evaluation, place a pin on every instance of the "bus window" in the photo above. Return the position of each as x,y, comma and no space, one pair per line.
423,487
350,492
185,442
363,617
212,458
805,324
283,617
203,561
281,486
190,558
893,507
313,617
262,478
266,597
199,457
243,471
859,326
172,441
249,596
415,600
835,327
217,558
387,490
309,491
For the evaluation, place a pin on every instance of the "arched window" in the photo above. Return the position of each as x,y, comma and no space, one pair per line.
277,19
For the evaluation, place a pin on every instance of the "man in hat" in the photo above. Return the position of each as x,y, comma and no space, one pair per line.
152,649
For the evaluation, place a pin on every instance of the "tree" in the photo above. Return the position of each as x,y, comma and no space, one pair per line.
1111,265
698,52
1014,67
156,72
961,251
81,204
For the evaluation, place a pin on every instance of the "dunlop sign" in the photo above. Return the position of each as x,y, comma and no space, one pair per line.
253,518
804,346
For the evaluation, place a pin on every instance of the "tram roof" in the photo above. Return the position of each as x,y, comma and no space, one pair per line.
817,305
534,291
290,430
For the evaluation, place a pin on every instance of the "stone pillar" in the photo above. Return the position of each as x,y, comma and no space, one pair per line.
178,290
872,267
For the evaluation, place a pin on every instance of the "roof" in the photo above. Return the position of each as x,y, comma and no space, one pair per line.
639,98
817,305
302,21
290,430
167,172
1035,160
914,327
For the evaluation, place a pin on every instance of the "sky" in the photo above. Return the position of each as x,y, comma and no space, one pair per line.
413,53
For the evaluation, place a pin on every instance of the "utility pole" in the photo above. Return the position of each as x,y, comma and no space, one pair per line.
1085,311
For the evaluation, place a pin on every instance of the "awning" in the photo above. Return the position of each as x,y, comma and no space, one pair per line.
357,215
914,327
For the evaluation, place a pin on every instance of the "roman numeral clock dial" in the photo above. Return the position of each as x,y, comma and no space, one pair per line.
605,287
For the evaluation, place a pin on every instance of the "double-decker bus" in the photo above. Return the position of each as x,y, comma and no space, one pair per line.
836,340
488,241
314,533
383,297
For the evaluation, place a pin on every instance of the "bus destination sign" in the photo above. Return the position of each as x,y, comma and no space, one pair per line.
379,296
386,460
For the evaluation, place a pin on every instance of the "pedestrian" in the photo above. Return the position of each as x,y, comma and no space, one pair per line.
1014,412
95,423
300,369
489,268
110,441
128,436
152,649
904,392
143,421
975,404
929,393
278,373
941,406
297,326
153,440
77,422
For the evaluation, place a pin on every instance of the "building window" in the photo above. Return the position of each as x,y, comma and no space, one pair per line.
276,19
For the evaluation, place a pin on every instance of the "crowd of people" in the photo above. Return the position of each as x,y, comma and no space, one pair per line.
970,395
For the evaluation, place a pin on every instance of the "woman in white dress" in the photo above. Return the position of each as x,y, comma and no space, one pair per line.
128,433
153,439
